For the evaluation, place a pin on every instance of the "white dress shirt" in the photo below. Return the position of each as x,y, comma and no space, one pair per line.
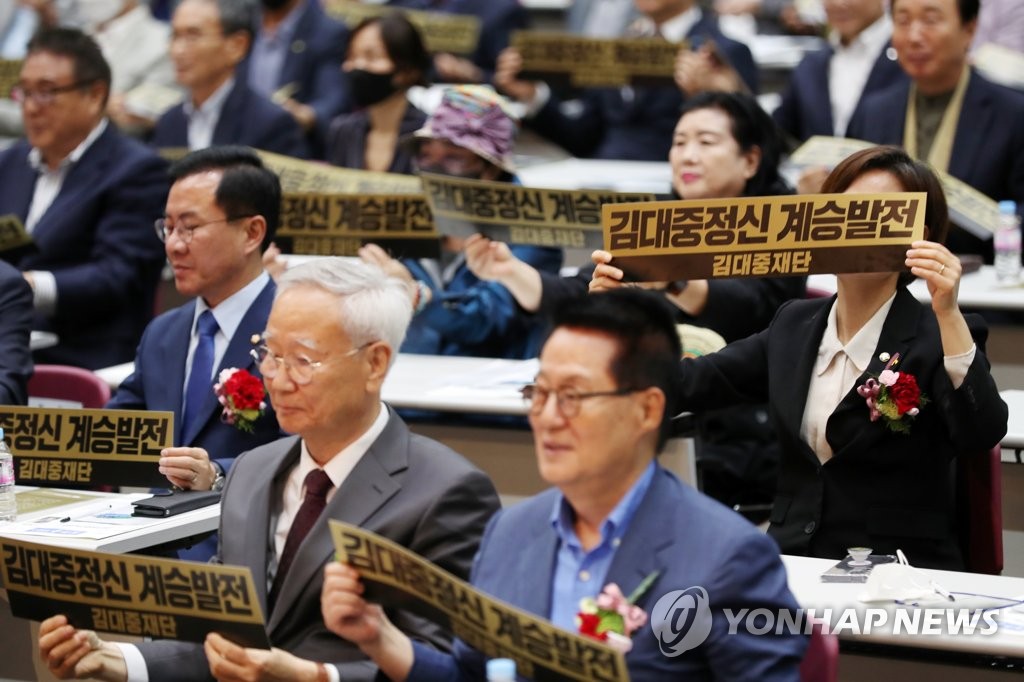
229,314
137,48
839,366
202,120
48,186
849,68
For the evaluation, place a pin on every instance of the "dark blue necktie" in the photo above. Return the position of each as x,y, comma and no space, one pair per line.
200,378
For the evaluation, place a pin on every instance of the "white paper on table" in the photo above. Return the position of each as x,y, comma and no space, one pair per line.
95,521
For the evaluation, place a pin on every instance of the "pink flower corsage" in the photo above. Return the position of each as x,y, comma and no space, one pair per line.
893,396
612,617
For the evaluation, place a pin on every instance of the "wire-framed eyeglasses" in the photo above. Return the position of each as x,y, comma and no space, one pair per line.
567,400
301,369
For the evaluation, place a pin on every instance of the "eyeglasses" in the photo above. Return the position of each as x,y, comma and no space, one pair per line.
165,228
567,400
45,95
300,368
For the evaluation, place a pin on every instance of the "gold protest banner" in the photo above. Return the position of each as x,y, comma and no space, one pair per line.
132,595
54,446
764,236
968,208
309,176
569,59
338,224
297,175
172,154
442,32
12,233
398,578
10,74
521,215
822,150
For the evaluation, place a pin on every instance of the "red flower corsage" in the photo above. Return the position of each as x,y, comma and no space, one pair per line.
894,396
241,394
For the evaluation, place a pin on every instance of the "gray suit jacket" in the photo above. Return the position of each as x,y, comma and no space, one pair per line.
407,488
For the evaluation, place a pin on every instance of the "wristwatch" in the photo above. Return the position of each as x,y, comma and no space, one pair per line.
218,480
676,287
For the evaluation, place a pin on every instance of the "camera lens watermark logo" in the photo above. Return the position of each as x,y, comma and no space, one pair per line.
681,620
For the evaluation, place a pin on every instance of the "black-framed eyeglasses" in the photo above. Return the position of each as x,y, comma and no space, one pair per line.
567,400
47,94
165,228
300,368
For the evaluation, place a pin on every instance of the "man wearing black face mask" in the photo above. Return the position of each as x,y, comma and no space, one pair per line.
209,39
294,60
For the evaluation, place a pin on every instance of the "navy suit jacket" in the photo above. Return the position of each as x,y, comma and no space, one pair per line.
15,333
159,377
988,150
806,108
97,239
498,19
634,123
247,118
313,65
690,539
880,489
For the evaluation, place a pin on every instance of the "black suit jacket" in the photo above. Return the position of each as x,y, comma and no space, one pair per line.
806,107
346,140
97,239
247,118
880,489
15,333
988,150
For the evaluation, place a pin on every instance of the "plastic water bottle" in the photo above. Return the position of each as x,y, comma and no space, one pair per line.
501,670
1007,243
8,505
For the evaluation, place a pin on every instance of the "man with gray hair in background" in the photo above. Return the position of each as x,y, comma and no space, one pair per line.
331,337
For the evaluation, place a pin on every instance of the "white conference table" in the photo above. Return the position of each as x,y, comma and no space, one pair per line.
156,532
978,290
881,654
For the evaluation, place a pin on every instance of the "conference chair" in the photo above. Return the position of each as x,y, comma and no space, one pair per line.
979,478
821,660
70,384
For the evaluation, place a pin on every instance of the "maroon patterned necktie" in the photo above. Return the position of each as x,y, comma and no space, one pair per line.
317,486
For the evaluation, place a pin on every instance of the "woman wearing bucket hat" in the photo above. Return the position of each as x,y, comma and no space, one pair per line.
470,135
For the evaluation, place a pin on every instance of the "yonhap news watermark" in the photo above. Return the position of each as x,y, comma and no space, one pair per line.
682,620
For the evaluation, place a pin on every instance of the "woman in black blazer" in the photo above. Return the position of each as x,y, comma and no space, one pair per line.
846,480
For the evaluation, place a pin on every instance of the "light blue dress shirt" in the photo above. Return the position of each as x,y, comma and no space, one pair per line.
579,573
270,51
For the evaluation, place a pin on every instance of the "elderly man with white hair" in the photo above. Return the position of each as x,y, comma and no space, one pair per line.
330,339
